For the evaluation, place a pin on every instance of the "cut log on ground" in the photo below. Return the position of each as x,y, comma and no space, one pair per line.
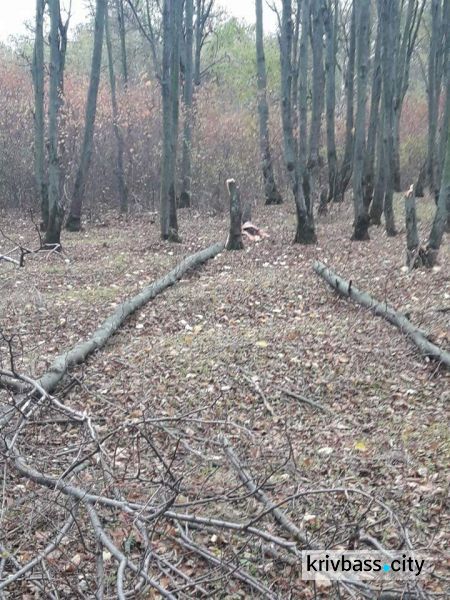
234,241
346,288
78,354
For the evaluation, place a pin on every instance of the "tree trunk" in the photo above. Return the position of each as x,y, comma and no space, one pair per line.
382,309
304,10
388,15
74,219
318,85
123,45
377,206
361,222
186,163
234,241
347,162
39,123
55,207
445,125
442,211
369,163
119,171
271,193
412,236
305,223
331,27
170,100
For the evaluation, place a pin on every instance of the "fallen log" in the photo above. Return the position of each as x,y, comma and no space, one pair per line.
381,309
78,354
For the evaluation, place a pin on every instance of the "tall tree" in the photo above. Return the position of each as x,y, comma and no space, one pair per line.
445,124
118,134
271,192
331,26
303,8
203,10
305,223
361,222
186,162
55,206
170,101
318,84
347,161
39,121
74,219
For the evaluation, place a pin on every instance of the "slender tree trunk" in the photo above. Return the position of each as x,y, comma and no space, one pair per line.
55,208
186,163
304,9
119,171
234,241
170,98
446,87
305,223
272,195
346,168
361,222
433,92
442,211
198,42
39,123
74,219
388,15
123,45
377,206
369,163
331,25
318,85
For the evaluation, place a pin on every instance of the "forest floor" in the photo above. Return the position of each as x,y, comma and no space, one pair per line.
222,348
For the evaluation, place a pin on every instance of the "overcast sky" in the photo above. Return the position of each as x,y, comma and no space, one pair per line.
16,12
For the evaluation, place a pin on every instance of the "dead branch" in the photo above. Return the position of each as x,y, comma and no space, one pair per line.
345,288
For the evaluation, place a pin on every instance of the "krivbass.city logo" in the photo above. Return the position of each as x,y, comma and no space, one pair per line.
362,565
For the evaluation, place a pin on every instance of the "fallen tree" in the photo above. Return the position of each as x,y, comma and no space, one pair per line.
78,354
382,309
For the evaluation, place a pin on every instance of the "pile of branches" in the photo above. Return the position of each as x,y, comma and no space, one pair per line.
112,510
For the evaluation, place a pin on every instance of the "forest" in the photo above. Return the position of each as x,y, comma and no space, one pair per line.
225,300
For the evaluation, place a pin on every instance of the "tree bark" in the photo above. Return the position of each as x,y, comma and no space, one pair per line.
361,222
305,224
318,85
347,162
433,91
373,129
388,15
412,235
74,219
119,170
234,241
304,10
442,211
331,27
271,193
186,163
55,207
382,309
39,123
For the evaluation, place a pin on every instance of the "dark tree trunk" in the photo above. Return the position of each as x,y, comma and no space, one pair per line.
55,207
234,241
186,163
305,223
347,162
304,11
119,171
377,206
272,195
331,27
318,85
39,122
369,163
74,219
361,222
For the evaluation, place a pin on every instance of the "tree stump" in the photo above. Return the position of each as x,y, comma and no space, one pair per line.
234,241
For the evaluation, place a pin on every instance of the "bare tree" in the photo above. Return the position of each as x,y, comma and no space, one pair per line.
39,122
305,222
331,16
119,170
361,222
203,11
186,162
272,195
73,222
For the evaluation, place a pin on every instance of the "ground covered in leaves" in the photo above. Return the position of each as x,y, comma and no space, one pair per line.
235,351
